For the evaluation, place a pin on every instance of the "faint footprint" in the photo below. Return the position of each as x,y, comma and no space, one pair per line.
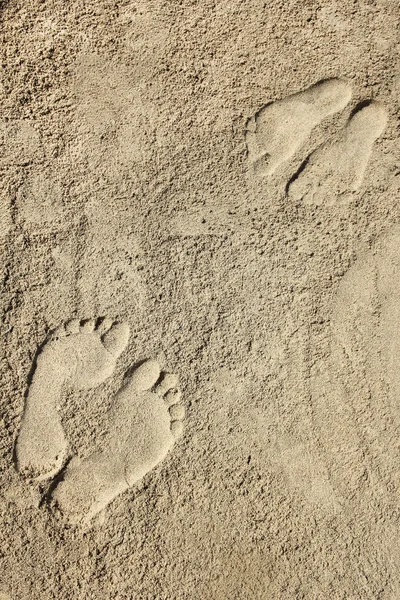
6,221
80,355
39,201
305,472
336,169
20,143
276,132
144,426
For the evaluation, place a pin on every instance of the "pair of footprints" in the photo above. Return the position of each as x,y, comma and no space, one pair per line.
145,419
334,170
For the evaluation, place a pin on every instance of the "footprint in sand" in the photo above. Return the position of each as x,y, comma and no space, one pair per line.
278,130
336,169
365,318
80,355
356,390
145,420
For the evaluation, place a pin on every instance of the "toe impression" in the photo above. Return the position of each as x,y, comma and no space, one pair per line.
116,339
87,326
173,397
177,412
168,382
145,376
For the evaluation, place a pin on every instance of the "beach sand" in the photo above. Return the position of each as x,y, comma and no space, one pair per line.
200,300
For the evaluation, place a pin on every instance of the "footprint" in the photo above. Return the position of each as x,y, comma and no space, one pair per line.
356,400
145,421
79,355
365,320
39,202
277,131
336,169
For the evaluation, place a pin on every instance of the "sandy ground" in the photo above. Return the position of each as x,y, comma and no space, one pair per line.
200,300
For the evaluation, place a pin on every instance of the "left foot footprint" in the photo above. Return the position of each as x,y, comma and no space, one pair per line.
336,169
145,422
79,355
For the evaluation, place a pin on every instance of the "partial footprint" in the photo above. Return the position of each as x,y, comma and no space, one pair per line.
356,400
336,169
366,320
80,355
5,213
39,201
277,131
145,421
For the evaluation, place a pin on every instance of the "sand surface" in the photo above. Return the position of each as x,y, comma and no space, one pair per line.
200,300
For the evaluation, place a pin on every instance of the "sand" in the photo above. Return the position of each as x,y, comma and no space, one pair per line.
200,263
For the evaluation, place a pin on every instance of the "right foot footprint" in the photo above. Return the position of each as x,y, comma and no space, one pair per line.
80,355
278,130
145,421
336,169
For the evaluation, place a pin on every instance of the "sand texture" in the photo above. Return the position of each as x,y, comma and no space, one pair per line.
200,300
